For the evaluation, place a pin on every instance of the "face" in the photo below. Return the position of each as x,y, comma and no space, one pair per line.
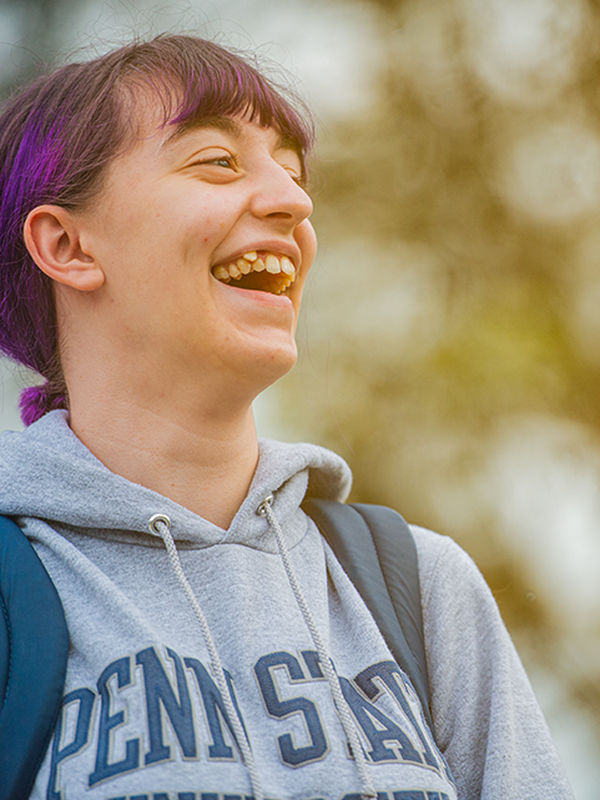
183,223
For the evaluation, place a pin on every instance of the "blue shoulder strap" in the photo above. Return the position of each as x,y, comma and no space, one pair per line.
377,550
34,645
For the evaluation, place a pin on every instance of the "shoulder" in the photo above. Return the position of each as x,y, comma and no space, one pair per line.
444,568
485,713
432,546
460,613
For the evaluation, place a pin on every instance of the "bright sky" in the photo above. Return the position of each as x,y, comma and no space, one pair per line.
330,47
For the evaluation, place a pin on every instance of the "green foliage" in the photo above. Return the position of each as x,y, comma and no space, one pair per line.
458,219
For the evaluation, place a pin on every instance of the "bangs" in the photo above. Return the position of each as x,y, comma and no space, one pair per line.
196,79
59,135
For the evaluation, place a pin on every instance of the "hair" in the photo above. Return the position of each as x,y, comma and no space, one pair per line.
59,133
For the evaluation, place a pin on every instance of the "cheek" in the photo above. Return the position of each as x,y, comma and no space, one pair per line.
307,242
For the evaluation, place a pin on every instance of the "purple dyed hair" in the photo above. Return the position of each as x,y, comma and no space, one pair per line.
57,136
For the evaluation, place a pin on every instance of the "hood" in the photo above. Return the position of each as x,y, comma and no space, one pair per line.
48,473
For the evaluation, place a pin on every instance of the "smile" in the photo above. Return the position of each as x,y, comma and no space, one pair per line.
260,270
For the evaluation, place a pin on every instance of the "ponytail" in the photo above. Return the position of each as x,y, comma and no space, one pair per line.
59,134
35,401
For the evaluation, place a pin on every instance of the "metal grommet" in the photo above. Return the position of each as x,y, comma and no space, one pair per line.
154,521
262,509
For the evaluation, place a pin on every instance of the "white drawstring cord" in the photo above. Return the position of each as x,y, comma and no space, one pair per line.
161,524
265,510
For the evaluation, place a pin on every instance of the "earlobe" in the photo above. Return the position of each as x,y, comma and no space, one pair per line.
52,237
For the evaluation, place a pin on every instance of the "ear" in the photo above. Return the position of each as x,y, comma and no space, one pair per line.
52,238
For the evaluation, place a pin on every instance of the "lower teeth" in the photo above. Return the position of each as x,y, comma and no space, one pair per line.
267,282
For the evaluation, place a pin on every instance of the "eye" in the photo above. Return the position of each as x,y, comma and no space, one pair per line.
225,161
221,161
220,167
301,179
295,176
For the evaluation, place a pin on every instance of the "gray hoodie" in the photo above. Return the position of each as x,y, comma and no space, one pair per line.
201,660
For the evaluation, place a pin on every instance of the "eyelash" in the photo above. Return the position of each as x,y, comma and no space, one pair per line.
299,179
232,163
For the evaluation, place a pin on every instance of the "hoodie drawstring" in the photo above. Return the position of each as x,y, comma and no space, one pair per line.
341,705
161,524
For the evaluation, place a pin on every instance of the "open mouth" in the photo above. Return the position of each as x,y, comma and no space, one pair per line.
260,270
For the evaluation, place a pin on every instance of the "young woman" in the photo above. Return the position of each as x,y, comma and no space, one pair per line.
155,240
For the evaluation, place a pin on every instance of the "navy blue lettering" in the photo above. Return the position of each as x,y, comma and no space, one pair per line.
85,698
159,692
416,795
215,711
404,795
280,709
108,722
393,678
197,796
155,796
386,731
311,659
411,794
388,671
358,796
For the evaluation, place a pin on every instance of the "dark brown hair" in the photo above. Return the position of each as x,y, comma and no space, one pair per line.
57,136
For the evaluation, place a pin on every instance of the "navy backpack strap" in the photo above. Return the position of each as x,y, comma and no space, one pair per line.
397,555
34,645
377,550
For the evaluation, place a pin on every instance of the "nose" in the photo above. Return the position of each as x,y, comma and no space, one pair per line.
279,198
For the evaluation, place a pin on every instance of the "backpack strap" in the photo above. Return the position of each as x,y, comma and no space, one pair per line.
377,550
34,645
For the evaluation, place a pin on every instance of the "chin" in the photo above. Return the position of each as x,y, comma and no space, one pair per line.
270,366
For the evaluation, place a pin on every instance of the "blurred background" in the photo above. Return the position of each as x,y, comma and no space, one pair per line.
450,340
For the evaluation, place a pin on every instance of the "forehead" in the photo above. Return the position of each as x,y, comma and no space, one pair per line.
165,114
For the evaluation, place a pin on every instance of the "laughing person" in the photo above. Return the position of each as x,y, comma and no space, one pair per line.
154,244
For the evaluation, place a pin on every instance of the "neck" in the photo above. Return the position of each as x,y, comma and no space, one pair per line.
202,456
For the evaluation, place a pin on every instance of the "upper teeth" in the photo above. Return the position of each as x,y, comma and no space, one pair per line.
252,262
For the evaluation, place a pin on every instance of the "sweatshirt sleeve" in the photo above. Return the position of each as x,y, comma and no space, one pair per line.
487,721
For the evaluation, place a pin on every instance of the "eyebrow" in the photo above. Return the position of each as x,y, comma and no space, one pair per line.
227,124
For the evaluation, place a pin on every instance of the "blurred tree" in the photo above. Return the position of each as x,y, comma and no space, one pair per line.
483,193
451,335
36,37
